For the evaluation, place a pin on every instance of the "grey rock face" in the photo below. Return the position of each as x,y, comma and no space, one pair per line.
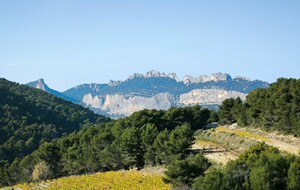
208,96
120,105
91,101
40,84
154,74
124,106
156,90
215,77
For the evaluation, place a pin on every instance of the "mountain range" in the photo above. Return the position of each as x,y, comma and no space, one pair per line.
155,90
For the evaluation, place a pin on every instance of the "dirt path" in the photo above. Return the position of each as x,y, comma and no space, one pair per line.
214,152
217,153
285,143
283,146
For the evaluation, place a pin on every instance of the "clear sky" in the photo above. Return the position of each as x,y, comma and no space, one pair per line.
70,42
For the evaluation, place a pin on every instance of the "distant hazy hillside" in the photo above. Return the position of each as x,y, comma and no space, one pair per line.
155,90
29,117
40,84
154,82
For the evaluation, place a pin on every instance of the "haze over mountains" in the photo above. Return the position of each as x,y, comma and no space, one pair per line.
155,90
40,84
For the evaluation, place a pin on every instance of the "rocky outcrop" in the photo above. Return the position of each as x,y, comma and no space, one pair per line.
204,78
154,74
120,105
114,83
156,90
208,96
91,101
123,106
40,84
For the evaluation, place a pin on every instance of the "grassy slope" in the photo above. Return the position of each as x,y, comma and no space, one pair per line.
226,143
134,180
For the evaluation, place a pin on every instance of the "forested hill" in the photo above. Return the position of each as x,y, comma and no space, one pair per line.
273,108
165,138
148,137
29,117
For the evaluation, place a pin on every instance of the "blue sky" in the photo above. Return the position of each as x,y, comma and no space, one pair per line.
81,41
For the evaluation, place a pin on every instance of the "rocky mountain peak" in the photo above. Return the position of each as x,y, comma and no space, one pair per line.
241,78
155,90
153,74
114,83
39,84
216,77
220,77
174,76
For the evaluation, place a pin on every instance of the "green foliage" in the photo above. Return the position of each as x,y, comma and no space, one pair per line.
161,147
180,140
176,143
130,145
29,117
274,108
225,115
261,167
195,116
183,172
231,111
278,106
148,137
269,172
212,180
214,116
149,133
236,176
294,175
50,154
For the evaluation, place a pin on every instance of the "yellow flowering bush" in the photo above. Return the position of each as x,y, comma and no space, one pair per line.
116,180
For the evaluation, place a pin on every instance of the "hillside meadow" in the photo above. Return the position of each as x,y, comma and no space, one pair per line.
118,180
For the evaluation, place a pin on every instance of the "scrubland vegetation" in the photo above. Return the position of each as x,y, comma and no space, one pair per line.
119,180
165,138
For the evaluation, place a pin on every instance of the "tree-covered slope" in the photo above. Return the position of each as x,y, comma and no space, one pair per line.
277,107
29,117
152,137
148,137
274,108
